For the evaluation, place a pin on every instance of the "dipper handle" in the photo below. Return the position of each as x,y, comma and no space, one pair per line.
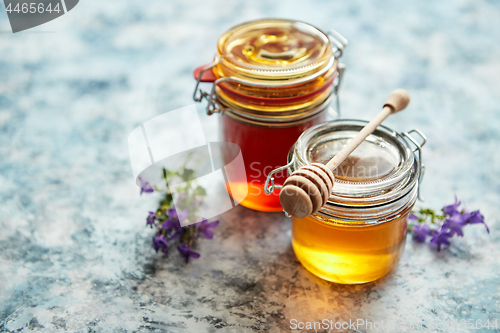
397,101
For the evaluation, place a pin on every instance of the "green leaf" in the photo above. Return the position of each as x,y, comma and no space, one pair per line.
187,174
167,200
200,191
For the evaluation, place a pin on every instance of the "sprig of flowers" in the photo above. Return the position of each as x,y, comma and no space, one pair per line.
442,227
166,220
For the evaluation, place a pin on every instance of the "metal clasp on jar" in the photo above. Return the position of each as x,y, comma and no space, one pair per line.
199,96
270,179
418,149
270,188
340,43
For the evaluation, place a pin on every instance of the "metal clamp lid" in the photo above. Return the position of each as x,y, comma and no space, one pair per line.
338,41
270,186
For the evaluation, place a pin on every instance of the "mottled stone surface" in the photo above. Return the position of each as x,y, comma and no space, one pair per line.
74,252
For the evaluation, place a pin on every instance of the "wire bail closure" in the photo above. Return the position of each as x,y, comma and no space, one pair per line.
199,95
270,188
418,148
339,41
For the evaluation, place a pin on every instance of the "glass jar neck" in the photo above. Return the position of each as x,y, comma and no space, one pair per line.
280,117
368,215
275,97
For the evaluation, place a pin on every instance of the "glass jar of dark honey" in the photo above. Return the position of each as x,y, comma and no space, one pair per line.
272,79
359,235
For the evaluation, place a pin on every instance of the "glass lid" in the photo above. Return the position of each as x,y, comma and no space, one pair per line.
381,167
274,49
371,161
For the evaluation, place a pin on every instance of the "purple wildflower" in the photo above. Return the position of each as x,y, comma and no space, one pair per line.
177,234
160,242
173,221
420,232
187,253
453,208
145,186
413,217
440,237
151,219
455,223
476,217
205,226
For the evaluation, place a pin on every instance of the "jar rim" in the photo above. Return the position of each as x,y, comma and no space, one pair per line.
364,191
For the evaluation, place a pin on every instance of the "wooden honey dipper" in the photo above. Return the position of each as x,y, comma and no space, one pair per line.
308,188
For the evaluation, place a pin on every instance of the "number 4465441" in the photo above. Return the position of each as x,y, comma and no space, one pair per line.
33,8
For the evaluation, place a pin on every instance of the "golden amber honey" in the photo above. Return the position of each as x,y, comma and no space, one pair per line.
348,253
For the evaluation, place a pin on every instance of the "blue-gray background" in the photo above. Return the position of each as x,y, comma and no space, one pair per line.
74,251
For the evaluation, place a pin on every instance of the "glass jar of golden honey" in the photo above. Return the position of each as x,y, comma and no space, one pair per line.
271,80
359,235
